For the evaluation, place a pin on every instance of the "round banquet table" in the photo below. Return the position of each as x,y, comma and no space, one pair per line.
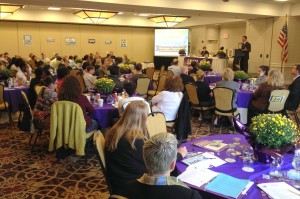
14,98
209,79
105,114
243,100
234,169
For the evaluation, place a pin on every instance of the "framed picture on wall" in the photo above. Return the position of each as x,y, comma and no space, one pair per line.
27,40
70,40
91,41
50,39
123,43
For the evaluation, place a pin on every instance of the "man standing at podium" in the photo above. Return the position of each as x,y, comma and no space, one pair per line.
246,49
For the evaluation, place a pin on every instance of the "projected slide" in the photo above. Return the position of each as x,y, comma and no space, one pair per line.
169,41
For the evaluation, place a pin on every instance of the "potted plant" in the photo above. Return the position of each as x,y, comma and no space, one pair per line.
205,66
274,135
182,52
125,69
240,75
4,73
104,85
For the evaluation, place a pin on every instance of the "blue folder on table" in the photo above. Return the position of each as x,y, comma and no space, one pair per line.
227,185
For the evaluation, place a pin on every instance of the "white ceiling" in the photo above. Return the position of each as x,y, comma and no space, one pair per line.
201,11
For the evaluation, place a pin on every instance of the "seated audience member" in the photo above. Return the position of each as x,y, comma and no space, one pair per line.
114,75
227,82
42,108
260,101
137,73
185,77
123,147
193,68
103,69
40,64
72,63
47,71
159,154
61,73
70,91
89,78
34,81
23,73
175,68
130,89
262,72
293,99
168,101
204,93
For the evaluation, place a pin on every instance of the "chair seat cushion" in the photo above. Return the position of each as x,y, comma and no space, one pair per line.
235,113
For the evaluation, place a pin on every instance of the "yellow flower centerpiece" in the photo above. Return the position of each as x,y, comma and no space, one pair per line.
104,85
125,69
274,130
273,135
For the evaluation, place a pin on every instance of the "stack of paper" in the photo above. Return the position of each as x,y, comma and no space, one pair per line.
197,177
204,160
279,190
227,185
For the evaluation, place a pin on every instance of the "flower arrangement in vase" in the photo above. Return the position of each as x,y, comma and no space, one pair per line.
205,65
274,135
104,85
182,52
4,73
240,75
125,69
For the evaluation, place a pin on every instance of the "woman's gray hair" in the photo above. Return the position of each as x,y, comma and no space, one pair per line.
159,152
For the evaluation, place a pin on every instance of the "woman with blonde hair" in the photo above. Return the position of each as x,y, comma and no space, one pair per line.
260,101
227,82
203,91
124,145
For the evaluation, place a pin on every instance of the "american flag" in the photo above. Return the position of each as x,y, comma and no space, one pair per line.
283,42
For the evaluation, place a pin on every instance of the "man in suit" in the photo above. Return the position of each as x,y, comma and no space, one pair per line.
293,99
246,49
159,154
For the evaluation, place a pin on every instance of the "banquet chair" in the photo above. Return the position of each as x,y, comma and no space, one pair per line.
194,76
74,72
38,89
160,87
81,82
277,100
67,129
193,97
4,106
100,144
170,73
142,86
156,123
296,114
224,104
161,72
34,129
150,72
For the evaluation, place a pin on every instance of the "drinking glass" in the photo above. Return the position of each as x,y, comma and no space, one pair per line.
248,162
237,145
231,154
275,167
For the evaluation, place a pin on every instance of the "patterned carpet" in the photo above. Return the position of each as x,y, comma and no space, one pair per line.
26,174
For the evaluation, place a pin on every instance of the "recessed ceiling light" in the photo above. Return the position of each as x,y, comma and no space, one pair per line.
120,13
54,8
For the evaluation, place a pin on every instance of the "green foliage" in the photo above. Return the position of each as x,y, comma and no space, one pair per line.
274,130
205,66
125,69
131,62
181,52
5,72
78,60
241,75
105,85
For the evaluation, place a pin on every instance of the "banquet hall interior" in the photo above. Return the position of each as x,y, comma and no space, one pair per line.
183,59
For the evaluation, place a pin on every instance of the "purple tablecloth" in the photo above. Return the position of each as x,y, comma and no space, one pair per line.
14,98
244,98
235,169
212,78
105,114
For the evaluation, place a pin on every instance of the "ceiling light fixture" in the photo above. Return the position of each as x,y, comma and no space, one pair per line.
8,9
96,16
167,20
54,8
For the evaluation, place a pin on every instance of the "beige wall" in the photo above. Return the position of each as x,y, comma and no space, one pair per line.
235,32
139,40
